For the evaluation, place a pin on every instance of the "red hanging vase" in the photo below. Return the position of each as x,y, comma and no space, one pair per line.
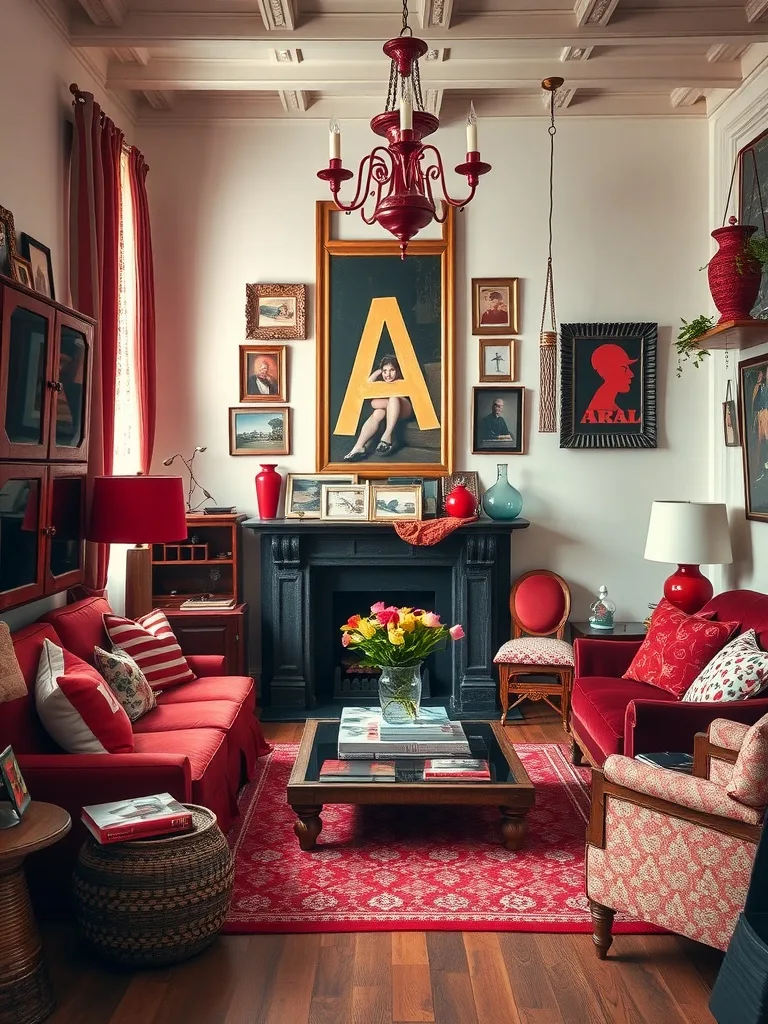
268,490
461,503
734,276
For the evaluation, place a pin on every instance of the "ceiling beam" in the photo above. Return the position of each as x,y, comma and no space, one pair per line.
130,55
660,74
726,51
435,14
158,100
756,10
594,12
105,12
294,101
278,15
686,97
641,27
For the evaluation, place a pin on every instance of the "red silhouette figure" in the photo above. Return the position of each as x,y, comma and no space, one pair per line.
612,363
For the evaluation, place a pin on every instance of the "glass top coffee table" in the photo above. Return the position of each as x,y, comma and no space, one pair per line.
509,787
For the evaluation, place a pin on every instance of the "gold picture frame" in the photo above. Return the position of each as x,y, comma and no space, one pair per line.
345,503
276,312
353,306
305,490
8,248
252,430
495,305
391,502
22,272
263,373
501,352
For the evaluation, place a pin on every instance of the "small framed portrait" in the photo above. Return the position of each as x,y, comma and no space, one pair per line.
731,435
498,421
263,373
303,493
345,503
430,492
13,782
7,242
39,257
260,431
21,271
467,478
276,311
495,305
497,360
753,399
395,501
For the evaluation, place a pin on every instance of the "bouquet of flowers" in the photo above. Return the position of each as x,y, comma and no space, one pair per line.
393,637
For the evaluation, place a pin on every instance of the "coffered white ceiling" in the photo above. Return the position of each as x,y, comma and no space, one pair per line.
195,59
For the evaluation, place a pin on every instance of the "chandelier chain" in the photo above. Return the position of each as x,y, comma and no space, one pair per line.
392,91
549,287
406,29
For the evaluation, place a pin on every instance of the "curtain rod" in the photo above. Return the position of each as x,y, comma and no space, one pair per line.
79,97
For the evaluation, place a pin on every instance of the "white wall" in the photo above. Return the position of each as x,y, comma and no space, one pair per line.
739,120
234,203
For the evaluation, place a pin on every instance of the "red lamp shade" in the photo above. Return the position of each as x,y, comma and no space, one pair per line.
137,510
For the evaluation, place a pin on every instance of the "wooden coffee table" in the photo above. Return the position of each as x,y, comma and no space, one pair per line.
510,789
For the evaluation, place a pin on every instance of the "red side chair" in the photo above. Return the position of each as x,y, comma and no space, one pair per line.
540,603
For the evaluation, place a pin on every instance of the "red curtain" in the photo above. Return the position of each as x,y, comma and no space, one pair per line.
94,239
145,312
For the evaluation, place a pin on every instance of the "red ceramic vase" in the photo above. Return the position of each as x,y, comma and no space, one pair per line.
461,502
734,279
268,490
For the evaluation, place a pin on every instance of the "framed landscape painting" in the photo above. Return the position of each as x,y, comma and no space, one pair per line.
753,398
608,385
259,431
385,352
276,311
303,493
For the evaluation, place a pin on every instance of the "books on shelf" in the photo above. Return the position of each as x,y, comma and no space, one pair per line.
197,603
136,818
360,737
357,771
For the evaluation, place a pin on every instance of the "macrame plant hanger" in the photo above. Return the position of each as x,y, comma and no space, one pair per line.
548,338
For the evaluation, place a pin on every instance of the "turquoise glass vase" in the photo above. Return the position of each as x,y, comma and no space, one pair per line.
502,501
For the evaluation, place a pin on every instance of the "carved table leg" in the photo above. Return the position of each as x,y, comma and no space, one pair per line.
308,826
602,923
512,827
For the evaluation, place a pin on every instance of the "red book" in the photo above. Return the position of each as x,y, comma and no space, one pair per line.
455,769
136,818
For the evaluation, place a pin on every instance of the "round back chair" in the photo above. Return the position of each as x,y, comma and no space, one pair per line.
539,603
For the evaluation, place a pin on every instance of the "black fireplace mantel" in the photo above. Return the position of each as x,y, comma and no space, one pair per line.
301,558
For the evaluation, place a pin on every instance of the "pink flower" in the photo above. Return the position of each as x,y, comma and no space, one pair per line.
345,639
378,607
387,615
457,632
430,619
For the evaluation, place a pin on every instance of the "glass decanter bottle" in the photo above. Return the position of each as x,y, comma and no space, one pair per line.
602,612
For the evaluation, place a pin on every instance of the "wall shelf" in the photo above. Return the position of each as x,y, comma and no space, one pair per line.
735,334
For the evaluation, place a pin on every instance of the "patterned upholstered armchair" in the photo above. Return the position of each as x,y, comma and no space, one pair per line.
677,850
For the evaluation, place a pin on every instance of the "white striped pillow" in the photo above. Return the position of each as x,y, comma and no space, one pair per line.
151,643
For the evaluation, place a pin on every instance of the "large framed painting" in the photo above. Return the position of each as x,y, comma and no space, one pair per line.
753,202
608,385
385,353
753,398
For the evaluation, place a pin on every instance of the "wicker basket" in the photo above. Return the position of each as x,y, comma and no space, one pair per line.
156,901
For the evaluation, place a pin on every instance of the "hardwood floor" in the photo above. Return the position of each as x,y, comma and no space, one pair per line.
397,977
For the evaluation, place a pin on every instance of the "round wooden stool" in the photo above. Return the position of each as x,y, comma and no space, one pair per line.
26,995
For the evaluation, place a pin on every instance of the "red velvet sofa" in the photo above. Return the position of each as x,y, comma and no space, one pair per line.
199,744
611,715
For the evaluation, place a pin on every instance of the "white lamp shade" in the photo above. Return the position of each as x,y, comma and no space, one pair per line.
688,533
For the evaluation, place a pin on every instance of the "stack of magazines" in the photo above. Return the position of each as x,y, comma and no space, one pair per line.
136,818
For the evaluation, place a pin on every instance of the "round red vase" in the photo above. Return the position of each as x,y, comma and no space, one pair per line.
687,589
734,278
461,503
268,490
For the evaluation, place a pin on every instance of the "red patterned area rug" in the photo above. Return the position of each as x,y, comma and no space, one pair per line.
419,868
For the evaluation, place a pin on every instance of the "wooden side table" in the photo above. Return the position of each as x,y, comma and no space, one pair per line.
621,631
26,996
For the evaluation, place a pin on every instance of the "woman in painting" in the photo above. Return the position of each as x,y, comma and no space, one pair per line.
385,410
760,424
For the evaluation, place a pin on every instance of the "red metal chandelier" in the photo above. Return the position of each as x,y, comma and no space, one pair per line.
397,180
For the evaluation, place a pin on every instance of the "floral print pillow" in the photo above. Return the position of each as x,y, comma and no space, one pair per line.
738,671
126,680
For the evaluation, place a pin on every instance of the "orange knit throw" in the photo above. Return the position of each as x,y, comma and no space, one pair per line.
429,531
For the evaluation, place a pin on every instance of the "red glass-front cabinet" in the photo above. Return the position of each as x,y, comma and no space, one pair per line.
45,381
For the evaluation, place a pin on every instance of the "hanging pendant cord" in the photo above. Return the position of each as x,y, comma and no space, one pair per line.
549,287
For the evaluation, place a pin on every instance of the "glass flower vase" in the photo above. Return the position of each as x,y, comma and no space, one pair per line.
502,501
400,692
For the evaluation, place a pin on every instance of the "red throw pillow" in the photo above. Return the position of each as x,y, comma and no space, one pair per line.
152,644
77,707
677,647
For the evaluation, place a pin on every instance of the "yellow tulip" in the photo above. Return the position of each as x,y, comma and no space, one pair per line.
396,636
367,628
408,622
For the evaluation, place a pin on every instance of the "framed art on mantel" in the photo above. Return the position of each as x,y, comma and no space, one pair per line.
608,385
753,399
385,351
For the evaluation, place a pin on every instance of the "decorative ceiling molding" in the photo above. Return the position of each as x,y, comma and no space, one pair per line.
294,101
686,97
435,13
437,54
105,12
158,100
576,52
433,100
131,55
594,12
726,51
563,97
756,10
286,56
277,15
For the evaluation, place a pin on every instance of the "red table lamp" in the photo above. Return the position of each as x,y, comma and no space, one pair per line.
138,510
691,533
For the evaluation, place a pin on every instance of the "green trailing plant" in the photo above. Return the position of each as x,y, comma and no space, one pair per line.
755,251
686,343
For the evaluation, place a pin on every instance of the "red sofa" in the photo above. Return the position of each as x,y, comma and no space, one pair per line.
611,715
199,744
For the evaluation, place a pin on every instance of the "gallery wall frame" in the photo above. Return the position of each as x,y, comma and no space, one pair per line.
371,304
608,385
263,373
276,312
753,403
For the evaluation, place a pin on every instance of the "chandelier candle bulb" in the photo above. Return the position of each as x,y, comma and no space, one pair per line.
406,109
472,130
334,140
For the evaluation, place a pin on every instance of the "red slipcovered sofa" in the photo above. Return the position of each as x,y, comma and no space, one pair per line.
611,715
199,744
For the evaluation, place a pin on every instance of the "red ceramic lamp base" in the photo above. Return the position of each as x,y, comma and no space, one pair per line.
687,589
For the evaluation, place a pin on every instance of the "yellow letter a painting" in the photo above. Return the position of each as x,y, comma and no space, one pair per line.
412,385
